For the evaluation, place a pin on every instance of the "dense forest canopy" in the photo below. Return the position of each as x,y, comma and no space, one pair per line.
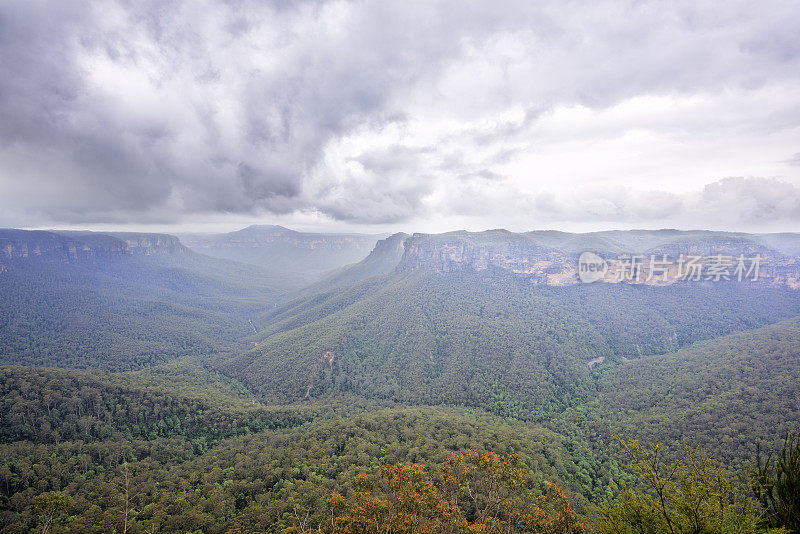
147,387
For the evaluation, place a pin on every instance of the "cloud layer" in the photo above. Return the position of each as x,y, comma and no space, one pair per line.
376,113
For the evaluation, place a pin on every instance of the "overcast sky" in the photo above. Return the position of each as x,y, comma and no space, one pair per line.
416,116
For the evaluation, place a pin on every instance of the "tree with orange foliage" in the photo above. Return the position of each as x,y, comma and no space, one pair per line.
475,493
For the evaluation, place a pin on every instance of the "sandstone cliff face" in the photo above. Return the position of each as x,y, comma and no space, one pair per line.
391,246
22,244
149,244
18,246
524,255
497,249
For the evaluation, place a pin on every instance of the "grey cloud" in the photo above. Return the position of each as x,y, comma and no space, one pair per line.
246,96
483,174
327,85
266,183
753,199
737,202
366,204
394,158
615,204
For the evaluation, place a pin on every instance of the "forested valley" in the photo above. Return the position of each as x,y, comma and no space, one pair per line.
149,387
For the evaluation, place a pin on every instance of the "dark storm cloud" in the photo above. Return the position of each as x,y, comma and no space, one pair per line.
120,161
40,78
161,111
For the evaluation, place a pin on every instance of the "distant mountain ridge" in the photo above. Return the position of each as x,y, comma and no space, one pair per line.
546,257
500,319
18,245
383,259
121,300
286,251
551,258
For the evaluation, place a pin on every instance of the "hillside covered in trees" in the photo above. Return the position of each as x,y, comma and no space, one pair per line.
147,387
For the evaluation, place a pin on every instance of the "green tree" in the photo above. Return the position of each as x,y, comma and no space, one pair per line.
50,506
776,483
690,494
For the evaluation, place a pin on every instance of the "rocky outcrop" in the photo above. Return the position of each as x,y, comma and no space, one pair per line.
19,246
382,260
494,249
23,244
720,257
148,244
391,247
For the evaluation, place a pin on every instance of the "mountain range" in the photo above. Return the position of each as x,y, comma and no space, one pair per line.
252,372
283,251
